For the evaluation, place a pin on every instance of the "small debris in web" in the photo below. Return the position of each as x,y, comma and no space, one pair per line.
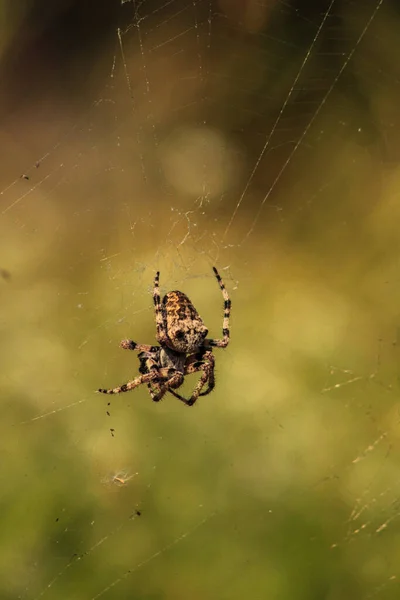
120,478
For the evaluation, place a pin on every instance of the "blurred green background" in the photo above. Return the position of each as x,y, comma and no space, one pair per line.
260,137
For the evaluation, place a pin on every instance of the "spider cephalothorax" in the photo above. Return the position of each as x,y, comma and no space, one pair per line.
184,347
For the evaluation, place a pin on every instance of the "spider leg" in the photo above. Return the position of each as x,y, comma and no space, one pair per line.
207,357
222,343
162,337
190,359
131,345
193,365
178,396
207,365
211,378
149,362
158,390
156,375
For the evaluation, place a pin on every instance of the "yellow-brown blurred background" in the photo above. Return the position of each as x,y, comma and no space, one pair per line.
260,137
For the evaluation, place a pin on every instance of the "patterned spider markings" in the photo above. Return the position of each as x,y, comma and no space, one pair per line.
183,347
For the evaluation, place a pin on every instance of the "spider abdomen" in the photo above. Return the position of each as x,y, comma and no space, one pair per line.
185,328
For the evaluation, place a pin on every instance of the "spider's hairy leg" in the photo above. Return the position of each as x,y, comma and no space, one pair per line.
161,333
157,391
131,345
155,375
206,364
211,378
174,382
227,313
126,387
194,363
147,364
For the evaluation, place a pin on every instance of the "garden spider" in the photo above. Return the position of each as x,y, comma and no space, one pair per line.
184,347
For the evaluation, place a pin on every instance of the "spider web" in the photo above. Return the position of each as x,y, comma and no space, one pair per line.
260,137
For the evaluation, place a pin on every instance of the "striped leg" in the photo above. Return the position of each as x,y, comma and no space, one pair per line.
150,362
156,375
162,337
131,345
211,378
194,362
193,366
207,367
222,343
158,390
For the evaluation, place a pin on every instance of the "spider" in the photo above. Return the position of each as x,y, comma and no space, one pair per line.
183,347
